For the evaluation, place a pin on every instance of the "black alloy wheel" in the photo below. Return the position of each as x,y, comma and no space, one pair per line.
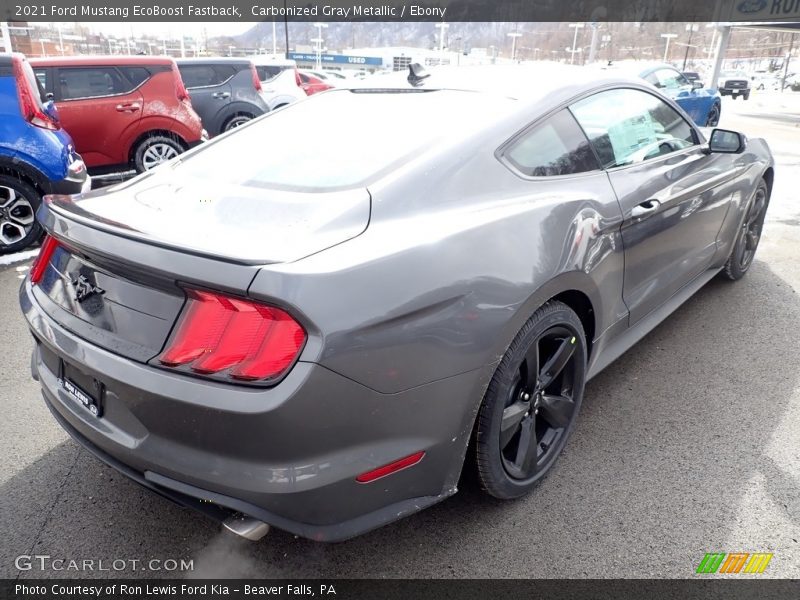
532,402
749,235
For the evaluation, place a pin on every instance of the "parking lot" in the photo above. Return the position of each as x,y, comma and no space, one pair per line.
687,444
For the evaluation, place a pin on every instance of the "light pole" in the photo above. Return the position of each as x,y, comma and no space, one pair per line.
691,28
668,37
230,50
536,53
514,35
442,27
42,41
575,26
318,41
5,36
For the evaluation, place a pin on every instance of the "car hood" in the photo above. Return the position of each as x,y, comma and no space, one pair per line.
241,223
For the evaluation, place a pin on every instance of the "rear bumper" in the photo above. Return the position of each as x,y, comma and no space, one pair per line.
203,138
287,455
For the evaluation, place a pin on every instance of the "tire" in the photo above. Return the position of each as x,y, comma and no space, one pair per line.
746,96
540,410
18,205
713,115
748,235
154,150
236,120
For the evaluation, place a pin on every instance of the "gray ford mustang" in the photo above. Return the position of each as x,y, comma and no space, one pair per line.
313,331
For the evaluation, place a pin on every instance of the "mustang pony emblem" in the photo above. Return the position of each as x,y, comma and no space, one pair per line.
85,289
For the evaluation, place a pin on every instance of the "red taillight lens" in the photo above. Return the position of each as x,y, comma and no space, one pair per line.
31,110
392,467
240,339
297,78
39,265
256,80
180,89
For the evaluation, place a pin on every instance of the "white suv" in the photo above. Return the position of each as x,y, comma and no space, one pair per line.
279,81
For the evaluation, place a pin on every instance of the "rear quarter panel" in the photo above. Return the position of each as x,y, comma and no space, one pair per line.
456,258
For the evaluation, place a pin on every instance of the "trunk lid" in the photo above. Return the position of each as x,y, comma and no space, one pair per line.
243,223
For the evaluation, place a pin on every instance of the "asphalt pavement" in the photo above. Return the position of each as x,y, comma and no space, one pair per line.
685,445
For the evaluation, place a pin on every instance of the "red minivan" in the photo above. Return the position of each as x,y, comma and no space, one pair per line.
122,111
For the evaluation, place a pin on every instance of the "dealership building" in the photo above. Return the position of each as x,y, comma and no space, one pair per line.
394,58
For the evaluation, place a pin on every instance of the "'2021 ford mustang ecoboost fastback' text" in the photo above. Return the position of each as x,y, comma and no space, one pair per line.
313,339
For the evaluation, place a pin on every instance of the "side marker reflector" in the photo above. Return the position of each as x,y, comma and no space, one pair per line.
392,467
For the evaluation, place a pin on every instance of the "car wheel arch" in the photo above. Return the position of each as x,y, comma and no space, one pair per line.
26,172
575,289
153,133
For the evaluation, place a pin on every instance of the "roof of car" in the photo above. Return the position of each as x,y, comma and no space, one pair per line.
54,61
214,61
521,81
636,68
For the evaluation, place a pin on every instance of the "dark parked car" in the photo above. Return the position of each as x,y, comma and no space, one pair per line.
226,92
312,341
122,111
36,155
735,84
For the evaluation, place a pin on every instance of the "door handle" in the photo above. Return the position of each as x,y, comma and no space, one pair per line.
221,95
132,107
645,208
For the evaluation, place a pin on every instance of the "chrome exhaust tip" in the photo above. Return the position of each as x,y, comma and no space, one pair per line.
246,527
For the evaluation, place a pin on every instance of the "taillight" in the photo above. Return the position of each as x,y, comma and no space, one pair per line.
180,89
39,265
233,338
31,110
256,80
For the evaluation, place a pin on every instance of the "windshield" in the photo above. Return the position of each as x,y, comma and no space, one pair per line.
338,139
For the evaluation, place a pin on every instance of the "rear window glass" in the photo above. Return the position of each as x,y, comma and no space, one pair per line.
323,144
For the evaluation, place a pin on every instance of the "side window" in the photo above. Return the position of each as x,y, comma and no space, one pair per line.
556,146
41,76
197,76
90,82
669,79
628,126
224,72
135,75
266,73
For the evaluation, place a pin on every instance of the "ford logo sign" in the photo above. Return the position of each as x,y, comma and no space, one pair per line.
751,6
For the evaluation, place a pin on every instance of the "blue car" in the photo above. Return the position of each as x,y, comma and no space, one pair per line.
37,157
704,106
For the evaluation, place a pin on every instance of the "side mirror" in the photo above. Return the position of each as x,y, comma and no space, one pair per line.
697,84
725,141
